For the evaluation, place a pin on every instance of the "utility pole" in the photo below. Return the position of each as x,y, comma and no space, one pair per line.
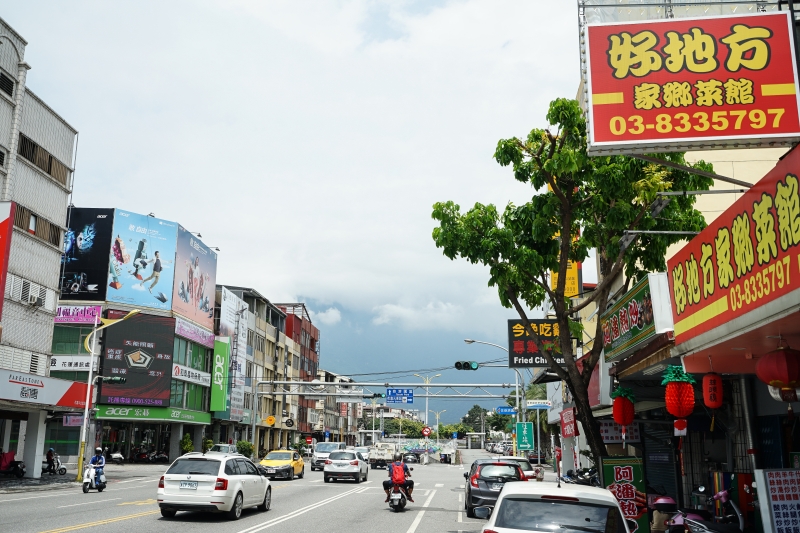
483,429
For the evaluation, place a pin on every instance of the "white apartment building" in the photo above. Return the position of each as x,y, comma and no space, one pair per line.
37,153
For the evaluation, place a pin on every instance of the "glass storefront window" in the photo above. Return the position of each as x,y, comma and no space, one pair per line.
64,440
176,393
68,340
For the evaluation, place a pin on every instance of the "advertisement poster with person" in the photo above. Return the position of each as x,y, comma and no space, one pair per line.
142,260
140,350
85,258
195,279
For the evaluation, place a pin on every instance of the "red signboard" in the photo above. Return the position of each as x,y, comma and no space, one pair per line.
748,257
309,439
426,431
7,210
569,428
671,84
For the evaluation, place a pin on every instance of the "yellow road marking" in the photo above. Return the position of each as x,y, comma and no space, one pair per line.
143,502
607,98
100,522
777,89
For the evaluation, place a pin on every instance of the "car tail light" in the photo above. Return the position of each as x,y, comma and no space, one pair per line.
489,531
221,484
328,462
474,480
161,483
354,463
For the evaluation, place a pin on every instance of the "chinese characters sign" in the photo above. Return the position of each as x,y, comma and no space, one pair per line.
399,396
779,500
152,413
641,314
612,432
522,350
31,388
77,314
659,85
624,477
525,440
569,427
748,257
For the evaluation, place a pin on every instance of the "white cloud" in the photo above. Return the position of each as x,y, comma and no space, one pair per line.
434,315
328,317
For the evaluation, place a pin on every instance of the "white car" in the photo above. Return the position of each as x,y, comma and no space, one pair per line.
546,507
523,463
345,465
364,451
216,483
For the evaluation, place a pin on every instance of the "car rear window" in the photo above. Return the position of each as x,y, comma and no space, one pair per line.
342,456
506,472
206,467
568,517
325,447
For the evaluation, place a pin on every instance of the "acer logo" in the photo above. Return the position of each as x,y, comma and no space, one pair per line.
102,216
219,370
117,411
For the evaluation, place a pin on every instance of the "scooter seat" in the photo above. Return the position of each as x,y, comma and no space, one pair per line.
707,516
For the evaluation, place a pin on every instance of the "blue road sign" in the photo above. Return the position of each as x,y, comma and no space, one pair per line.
455,435
327,434
505,410
399,395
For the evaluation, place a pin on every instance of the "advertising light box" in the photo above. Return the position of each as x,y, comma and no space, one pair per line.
691,83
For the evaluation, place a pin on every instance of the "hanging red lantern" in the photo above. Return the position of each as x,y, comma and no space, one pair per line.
623,407
780,368
712,390
680,393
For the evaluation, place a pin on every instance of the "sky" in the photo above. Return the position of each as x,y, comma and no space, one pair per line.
309,141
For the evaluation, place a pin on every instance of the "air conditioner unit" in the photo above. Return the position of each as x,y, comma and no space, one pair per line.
35,300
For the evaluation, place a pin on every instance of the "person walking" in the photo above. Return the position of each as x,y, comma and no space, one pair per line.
156,272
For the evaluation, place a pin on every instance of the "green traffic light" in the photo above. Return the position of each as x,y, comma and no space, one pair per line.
473,365
467,365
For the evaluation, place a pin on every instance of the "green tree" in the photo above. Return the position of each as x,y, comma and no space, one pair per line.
579,203
474,416
499,422
412,429
245,448
186,444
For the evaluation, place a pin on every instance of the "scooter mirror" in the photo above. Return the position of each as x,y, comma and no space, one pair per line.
701,488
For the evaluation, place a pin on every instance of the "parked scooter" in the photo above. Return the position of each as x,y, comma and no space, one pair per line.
59,468
93,478
160,457
10,467
139,455
116,458
677,524
732,520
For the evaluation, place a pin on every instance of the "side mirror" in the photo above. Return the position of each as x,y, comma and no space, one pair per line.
466,475
482,512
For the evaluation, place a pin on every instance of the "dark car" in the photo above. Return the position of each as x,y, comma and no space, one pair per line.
536,459
485,480
410,458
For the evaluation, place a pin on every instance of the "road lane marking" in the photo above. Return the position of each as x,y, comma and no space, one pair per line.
459,517
142,502
294,514
87,503
460,497
418,519
100,522
439,485
315,481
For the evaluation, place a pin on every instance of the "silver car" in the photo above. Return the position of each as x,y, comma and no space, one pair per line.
523,463
346,465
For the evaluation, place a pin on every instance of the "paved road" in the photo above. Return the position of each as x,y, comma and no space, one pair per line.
304,505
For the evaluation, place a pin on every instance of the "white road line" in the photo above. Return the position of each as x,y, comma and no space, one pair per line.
418,519
459,517
129,481
87,503
42,496
439,485
426,492
460,497
315,481
298,512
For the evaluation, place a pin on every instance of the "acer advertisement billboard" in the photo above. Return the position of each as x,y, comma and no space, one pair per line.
683,83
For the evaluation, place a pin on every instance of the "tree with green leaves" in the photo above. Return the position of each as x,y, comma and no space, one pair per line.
579,203
474,416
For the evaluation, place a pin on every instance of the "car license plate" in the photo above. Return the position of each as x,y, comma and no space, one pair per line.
496,486
189,485
270,470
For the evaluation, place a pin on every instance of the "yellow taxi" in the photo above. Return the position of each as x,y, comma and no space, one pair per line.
284,464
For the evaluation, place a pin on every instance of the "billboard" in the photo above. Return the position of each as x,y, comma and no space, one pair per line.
676,84
233,324
85,258
219,376
7,210
142,260
522,350
743,261
32,388
77,314
140,350
195,280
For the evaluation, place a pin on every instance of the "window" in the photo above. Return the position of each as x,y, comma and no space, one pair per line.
32,224
231,469
176,393
538,515
2,158
6,84
206,467
43,160
40,228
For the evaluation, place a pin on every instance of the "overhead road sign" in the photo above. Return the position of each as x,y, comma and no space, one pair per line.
400,396
505,410
538,404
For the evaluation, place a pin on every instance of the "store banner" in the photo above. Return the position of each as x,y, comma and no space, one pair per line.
522,350
233,316
32,388
190,375
779,499
78,314
744,260
612,432
195,283
677,83
71,362
7,211
219,382
641,314
167,414
140,350
624,478
193,332
71,421
569,426
87,242
142,261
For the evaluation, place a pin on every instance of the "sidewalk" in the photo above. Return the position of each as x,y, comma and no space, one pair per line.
114,473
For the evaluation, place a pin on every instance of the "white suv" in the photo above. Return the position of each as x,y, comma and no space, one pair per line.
216,483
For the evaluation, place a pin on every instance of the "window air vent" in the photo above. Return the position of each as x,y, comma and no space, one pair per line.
6,85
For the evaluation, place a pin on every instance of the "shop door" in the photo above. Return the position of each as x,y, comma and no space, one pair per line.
659,460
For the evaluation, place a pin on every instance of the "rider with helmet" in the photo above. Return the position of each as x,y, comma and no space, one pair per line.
395,475
99,461
51,461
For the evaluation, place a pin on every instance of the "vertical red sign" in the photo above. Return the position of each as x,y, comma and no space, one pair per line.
7,210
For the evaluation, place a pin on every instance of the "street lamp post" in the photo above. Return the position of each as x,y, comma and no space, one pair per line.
427,380
85,426
517,378
437,414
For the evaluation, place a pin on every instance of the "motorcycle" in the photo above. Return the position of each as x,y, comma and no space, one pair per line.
730,522
10,467
677,524
58,467
398,497
160,457
139,456
93,478
116,458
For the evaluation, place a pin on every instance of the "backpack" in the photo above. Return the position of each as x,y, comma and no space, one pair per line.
398,474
